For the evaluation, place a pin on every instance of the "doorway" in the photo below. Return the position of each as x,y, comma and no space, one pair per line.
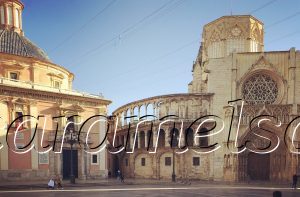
259,166
67,163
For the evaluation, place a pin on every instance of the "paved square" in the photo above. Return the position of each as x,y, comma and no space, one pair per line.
156,191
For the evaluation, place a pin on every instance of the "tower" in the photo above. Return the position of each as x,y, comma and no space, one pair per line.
11,15
221,38
232,34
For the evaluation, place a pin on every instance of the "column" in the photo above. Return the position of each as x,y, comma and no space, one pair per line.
197,142
139,139
34,154
125,139
131,140
52,163
146,139
182,139
3,124
139,111
167,138
131,114
291,81
103,154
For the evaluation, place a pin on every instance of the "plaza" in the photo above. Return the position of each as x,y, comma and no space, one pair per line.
232,76
156,190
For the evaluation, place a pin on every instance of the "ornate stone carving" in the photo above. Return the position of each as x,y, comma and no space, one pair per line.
260,89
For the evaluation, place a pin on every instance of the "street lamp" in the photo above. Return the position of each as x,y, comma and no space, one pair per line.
71,139
173,143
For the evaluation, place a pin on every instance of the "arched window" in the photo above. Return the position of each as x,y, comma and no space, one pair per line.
189,137
17,17
127,142
142,139
161,139
136,144
260,89
2,15
117,141
174,134
203,141
150,139
10,15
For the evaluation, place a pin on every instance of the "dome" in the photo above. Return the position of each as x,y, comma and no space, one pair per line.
13,43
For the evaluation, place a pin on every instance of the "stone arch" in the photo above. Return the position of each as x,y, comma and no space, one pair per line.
142,110
174,137
203,141
142,139
189,137
150,139
259,172
127,114
122,120
269,168
136,111
161,139
150,109
136,140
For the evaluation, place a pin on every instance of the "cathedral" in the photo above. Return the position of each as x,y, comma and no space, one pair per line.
38,103
235,80
238,121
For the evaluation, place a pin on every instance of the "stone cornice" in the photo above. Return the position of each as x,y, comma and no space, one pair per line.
49,96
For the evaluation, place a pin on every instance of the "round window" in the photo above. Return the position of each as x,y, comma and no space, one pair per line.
260,89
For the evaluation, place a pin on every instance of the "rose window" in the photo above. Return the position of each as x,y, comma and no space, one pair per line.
260,89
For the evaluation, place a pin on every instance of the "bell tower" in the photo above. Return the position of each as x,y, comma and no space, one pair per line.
11,15
232,34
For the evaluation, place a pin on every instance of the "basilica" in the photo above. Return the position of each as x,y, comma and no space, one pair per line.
32,85
233,79
210,133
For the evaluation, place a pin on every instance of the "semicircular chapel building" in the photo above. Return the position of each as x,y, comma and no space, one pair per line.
31,84
231,64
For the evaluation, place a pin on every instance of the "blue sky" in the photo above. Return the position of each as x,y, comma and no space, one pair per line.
141,48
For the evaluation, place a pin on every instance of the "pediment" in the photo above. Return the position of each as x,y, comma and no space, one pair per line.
60,76
20,101
262,61
262,64
70,108
11,65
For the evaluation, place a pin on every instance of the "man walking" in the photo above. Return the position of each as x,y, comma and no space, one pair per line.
295,180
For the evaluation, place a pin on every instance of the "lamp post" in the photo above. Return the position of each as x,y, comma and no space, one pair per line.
173,144
173,173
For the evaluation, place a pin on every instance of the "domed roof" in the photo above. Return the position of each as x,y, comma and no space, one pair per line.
13,43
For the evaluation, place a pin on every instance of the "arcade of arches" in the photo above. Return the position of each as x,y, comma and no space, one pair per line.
231,64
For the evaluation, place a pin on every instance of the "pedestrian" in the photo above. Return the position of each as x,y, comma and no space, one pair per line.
277,194
118,175
51,184
58,182
295,180
121,177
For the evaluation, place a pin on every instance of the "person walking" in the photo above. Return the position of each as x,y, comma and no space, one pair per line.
121,177
51,184
295,180
118,175
58,182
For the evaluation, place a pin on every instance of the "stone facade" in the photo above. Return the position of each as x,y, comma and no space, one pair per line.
30,84
231,64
